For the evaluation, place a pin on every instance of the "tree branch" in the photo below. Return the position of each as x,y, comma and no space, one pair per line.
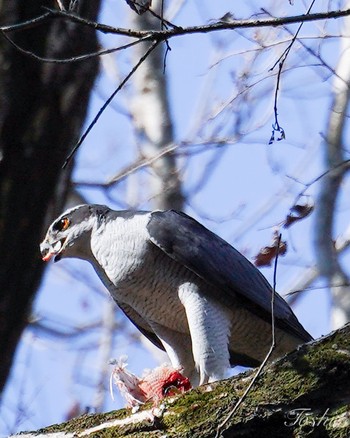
33,144
105,105
327,260
305,391
162,35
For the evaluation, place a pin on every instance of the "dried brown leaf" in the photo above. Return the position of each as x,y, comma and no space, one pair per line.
267,254
297,213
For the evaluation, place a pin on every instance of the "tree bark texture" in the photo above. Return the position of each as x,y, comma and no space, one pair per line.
152,115
43,106
327,258
304,394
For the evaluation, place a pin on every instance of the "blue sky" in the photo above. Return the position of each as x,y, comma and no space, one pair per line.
50,374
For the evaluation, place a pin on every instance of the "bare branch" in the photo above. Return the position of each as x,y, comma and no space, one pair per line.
162,35
105,105
73,58
144,162
336,171
276,127
216,26
28,24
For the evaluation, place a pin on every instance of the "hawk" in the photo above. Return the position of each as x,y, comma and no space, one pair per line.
187,290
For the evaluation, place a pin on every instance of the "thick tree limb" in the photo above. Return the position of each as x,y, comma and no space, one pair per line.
42,110
306,393
327,259
153,125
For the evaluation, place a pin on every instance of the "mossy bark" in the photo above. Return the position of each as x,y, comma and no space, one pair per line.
304,394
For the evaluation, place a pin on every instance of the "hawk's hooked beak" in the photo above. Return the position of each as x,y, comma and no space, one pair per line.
49,250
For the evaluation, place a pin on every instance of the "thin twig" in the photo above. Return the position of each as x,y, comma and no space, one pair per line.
104,28
164,23
268,355
276,127
73,58
143,163
285,53
105,105
163,26
28,24
341,167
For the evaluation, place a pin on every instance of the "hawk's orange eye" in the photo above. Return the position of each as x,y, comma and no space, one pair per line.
62,224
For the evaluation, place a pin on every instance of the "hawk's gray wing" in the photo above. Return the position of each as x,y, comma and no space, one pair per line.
141,324
235,280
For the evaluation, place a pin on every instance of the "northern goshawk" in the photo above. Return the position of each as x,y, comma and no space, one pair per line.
186,289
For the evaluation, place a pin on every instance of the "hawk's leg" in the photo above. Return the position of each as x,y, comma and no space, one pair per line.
209,325
179,349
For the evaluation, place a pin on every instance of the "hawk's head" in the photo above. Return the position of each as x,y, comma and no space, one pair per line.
69,235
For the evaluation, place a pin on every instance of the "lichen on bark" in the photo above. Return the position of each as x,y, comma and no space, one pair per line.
304,394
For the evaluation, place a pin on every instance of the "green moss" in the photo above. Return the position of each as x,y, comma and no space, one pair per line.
299,380
85,421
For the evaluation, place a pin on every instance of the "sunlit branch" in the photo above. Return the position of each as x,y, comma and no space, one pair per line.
161,35
216,26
